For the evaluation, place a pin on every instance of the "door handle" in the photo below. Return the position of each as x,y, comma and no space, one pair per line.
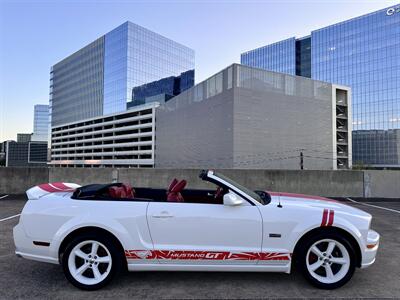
162,215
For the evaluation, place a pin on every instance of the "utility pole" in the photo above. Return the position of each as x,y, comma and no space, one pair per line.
301,161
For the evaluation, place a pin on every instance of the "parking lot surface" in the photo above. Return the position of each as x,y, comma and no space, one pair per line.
22,278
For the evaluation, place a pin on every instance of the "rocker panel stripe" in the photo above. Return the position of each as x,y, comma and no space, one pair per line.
205,255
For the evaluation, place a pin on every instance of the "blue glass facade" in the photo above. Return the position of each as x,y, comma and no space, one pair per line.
76,85
40,123
99,78
135,56
363,53
162,90
278,57
116,69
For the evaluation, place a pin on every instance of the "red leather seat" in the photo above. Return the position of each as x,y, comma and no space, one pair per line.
129,190
125,191
174,193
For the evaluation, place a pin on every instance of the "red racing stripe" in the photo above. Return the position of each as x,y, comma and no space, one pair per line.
331,216
61,186
48,188
55,187
324,217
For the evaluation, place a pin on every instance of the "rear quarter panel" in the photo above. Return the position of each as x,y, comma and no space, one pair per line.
52,218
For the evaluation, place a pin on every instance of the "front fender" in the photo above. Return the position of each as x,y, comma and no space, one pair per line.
340,223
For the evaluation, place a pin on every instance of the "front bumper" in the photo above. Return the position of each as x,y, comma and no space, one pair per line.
369,252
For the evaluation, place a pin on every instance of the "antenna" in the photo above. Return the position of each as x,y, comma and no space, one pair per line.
279,204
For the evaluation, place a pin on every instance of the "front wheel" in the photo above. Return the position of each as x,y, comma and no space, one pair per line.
90,262
327,260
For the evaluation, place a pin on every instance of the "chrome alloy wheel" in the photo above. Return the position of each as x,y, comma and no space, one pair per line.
328,261
89,262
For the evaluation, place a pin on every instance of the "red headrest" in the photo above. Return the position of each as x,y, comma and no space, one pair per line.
172,184
179,186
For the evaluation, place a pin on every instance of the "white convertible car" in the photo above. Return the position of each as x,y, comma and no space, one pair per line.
95,231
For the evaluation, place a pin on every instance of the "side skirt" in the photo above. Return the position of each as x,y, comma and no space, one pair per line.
285,268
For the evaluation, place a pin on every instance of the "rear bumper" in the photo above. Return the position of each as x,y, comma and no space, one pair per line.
369,253
25,248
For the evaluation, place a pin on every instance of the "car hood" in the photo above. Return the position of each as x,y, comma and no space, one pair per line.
291,199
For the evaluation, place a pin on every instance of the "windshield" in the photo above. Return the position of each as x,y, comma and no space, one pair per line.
251,193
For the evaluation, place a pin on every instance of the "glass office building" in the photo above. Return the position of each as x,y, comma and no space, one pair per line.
40,123
278,57
76,85
363,53
161,90
99,78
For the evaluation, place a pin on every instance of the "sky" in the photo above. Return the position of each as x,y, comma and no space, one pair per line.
34,35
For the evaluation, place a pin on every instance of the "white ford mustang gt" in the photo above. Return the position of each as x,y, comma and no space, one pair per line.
97,230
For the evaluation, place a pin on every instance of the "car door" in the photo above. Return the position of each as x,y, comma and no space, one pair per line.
194,233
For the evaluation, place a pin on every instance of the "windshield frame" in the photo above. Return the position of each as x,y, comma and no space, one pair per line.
240,187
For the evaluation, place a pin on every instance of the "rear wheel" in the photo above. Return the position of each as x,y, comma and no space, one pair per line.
327,260
91,261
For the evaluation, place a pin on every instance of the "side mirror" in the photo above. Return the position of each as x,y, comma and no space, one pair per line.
231,199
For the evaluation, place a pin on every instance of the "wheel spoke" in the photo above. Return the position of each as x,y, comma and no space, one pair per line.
95,246
103,259
329,272
338,260
316,265
96,272
81,254
82,269
316,251
330,248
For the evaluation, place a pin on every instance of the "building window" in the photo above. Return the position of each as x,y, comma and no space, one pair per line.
229,78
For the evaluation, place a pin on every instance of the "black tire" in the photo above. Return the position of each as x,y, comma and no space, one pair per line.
116,260
302,260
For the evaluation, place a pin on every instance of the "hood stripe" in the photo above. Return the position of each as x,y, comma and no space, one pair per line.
330,219
324,217
327,217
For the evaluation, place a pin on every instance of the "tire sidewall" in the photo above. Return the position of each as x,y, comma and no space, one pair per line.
303,257
115,256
